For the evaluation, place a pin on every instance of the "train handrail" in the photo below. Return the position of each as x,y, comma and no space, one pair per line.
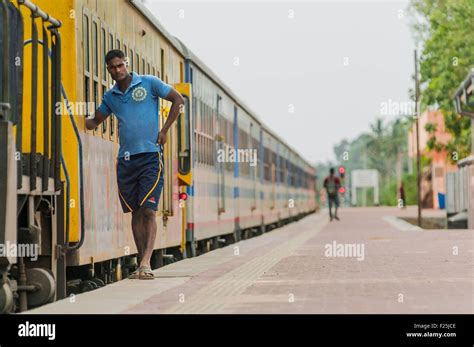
461,92
38,12
81,176
6,53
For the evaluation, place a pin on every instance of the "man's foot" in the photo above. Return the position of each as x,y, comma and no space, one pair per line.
135,274
146,273
336,217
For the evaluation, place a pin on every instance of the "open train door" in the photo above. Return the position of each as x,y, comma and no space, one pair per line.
185,178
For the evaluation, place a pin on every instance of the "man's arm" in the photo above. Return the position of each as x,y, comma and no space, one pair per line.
94,120
177,101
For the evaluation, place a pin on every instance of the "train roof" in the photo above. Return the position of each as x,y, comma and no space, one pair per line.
154,21
188,54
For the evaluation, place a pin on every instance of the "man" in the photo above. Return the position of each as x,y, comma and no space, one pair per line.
135,101
402,196
332,185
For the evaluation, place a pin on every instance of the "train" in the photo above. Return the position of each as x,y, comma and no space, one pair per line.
228,176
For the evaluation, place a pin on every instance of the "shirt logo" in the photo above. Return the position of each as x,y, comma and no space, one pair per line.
152,199
139,94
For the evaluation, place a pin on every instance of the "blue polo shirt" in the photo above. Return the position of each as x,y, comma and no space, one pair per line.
137,111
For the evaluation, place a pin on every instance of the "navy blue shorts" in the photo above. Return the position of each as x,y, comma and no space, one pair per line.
140,180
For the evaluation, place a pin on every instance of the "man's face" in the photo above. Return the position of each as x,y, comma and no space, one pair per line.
117,69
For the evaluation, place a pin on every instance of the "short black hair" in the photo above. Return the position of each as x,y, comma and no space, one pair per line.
114,53
331,170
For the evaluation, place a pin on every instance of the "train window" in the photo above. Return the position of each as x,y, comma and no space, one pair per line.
181,71
111,41
143,67
198,148
86,43
244,167
86,90
228,129
288,173
162,62
117,44
209,120
148,68
85,31
95,51
125,51
104,52
96,94
281,170
112,126
266,165
201,149
153,71
95,61
231,133
209,151
201,116
137,61
212,114
104,123
203,119
274,162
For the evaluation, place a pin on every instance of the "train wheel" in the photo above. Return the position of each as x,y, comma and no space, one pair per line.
98,282
87,286
44,281
6,298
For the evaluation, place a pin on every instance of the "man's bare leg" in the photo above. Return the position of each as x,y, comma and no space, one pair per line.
137,227
147,234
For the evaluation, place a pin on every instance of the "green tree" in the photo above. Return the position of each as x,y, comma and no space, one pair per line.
445,30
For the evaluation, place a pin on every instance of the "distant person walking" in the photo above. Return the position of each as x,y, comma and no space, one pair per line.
402,196
332,185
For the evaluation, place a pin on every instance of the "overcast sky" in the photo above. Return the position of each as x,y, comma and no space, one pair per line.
335,62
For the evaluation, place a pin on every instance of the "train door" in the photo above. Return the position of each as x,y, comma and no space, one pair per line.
184,162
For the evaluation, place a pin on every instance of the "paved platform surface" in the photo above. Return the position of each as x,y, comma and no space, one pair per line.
369,262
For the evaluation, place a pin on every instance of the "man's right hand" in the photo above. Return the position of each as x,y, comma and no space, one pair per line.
94,120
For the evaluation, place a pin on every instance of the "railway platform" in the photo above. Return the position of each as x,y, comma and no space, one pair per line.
368,262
